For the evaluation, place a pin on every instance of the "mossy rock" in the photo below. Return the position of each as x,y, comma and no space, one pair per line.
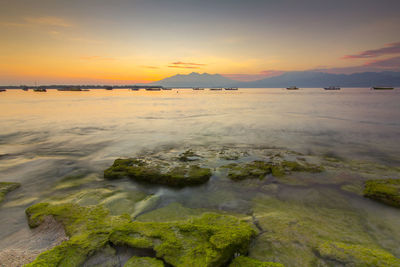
253,170
172,212
243,261
6,187
188,155
143,171
208,240
384,190
292,231
143,262
356,255
259,169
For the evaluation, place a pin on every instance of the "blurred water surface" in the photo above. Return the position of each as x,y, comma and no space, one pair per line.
46,136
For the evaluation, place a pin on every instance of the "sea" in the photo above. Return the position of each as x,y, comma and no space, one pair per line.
47,136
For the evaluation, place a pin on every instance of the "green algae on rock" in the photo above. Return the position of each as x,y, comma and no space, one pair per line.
6,187
356,255
116,200
291,232
144,171
188,155
208,240
172,212
259,169
143,262
384,190
243,261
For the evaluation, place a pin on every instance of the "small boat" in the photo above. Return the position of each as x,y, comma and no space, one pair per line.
216,89
24,88
382,88
153,89
198,88
40,89
292,88
108,88
3,90
70,88
232,89
332,88
165,88
135,89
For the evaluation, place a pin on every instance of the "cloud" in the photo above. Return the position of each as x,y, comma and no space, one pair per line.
389,49
12,24
49,21
150,67
184,67
94,58
187,63
388,64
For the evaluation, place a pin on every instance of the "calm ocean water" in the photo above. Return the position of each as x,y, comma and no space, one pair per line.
353,122
46,136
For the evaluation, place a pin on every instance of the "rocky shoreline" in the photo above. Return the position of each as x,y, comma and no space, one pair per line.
144,212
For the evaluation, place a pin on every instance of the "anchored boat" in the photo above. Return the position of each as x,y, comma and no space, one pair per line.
215,89
197,88
332,88
232,89
292,88
70,88
382,88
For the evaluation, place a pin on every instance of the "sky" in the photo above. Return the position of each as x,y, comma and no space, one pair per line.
138,41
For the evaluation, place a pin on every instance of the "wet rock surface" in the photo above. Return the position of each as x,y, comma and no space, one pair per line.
249,262
279,206
208,240
49,234
259,169
384,190
156,172
6,187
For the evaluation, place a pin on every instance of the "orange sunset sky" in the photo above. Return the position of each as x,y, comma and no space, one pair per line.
124,42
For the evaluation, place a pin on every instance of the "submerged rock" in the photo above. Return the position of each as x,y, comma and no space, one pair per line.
208,240
145,205
188,155
155,173
172,212
243,261
356,255
259,169
6,187
384,190
304,234
26,245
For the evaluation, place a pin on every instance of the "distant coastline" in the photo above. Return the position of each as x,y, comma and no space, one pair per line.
304,79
